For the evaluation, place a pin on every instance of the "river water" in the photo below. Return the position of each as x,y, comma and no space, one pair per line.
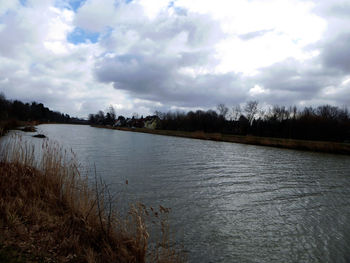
229,202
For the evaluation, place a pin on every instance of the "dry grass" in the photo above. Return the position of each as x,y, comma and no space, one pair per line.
317,146
48,209
7,125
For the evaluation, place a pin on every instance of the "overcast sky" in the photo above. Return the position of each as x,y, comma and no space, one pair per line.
79,56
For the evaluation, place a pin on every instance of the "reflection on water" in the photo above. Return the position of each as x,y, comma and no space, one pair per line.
230,202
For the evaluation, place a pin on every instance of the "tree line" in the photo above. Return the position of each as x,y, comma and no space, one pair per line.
102,118
325,123
17,110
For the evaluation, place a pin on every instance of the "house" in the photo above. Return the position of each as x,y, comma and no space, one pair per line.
151,122
120,122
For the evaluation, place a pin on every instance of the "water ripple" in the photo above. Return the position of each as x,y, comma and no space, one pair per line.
230,202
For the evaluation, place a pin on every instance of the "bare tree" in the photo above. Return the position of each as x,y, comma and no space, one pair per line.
159,114
328,112
251,110
100,117
280,113
135,115
111,112
236,112
222,109
110,116
293,111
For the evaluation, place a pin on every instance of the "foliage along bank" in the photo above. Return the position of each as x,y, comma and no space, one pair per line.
15,113
322,123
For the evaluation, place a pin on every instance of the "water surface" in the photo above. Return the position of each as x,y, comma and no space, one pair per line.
230,202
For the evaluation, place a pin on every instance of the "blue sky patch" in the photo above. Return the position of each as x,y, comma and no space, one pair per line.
68,4
75,4
171,4
80,35
23,2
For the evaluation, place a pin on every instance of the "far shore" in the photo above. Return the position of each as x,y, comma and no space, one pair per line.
316,146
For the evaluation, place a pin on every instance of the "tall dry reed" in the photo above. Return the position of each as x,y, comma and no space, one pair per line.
48,208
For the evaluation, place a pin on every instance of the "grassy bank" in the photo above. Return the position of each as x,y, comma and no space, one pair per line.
318,146
6,125
49,212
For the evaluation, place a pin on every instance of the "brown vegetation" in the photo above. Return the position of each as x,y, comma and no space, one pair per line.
6,125
318,146
29,129
48,211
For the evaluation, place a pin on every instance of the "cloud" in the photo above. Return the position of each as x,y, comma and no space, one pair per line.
159,79
170,59
251,35
80,56
336,53
95,15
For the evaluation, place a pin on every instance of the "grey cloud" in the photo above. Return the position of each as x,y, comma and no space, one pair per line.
292,81
334,8
341,10
336,53
197,31
150,60
154,74
201,29
153,67
158,79
13,35
255,34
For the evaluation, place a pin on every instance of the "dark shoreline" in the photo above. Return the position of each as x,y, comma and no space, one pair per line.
316,146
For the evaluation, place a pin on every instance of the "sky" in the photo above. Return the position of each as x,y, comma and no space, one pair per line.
81,56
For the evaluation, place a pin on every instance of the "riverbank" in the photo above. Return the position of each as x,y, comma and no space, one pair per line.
317,146
49,212
7,125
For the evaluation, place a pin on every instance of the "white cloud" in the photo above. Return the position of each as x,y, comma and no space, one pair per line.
96,15
258,90
5,6
154,7
291,25
174,54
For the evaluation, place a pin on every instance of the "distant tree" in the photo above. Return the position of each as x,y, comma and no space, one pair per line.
111,112
243,125
159,114
236,112
92,119
328,112
110,116
321,123
251,110
293,111
135,115
223,110
100,116
279,113
3,107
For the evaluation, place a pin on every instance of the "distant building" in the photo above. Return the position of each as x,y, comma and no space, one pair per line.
151,122
118,123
